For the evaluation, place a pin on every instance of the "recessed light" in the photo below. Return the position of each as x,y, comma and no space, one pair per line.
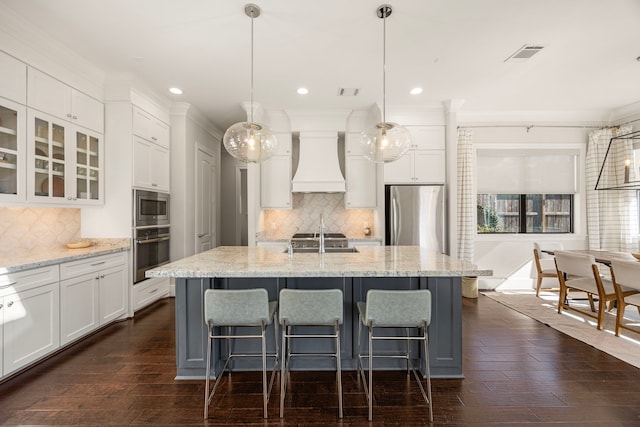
302,91
416,91
175,90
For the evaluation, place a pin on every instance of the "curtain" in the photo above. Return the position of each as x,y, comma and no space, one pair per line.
612,215
466,221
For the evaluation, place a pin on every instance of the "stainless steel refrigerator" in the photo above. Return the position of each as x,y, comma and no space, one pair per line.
416,215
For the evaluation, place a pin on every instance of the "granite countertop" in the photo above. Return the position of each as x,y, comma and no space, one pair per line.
371,261
10,263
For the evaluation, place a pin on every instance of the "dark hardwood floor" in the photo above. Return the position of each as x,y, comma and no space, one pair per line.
518,372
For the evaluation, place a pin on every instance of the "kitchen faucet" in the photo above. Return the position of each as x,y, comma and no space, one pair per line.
321,247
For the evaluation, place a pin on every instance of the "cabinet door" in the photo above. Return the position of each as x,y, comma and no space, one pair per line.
361,183
113,293
48,167
141,164
49,95
86,111
31,325
429,166
89,167
13,84
78,307
142,122
427,137
275,182
160,133
12,151
399,171
159,168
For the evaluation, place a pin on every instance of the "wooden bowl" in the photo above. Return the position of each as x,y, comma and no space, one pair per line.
637,256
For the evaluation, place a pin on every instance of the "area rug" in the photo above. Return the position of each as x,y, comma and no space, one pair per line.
544,309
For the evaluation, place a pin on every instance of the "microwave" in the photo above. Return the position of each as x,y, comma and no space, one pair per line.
150,208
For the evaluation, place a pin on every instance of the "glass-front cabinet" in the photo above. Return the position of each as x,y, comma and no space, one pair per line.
12,131
66,162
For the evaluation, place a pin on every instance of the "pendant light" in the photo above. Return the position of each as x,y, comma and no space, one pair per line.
248,141
386,141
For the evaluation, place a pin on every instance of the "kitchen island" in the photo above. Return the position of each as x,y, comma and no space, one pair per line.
384,267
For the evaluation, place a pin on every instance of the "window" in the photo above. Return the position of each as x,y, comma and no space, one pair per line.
525,213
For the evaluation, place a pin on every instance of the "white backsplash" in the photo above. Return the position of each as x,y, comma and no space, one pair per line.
37,229
305,217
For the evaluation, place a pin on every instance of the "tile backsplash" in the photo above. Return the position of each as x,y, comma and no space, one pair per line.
37,229
305,217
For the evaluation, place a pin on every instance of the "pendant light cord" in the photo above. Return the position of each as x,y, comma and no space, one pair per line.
384,64
251,95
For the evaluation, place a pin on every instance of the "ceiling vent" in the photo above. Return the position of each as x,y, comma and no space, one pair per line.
524,53
345,91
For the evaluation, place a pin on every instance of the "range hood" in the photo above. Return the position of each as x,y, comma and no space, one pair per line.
318,167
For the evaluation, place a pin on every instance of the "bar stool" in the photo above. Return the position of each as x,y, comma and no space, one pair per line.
300,308
242,307
395,309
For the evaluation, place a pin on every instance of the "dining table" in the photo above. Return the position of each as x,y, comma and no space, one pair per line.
602,256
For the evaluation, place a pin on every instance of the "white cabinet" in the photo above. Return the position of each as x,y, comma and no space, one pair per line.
29,316
12,151
275,177
361,176
424,163
151,165
149,291
151,161
150,128
56,98
93,292
13,84
66,161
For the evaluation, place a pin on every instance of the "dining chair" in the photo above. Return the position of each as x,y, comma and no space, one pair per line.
304,308
625,275
226,309
389,310
545,267
581,272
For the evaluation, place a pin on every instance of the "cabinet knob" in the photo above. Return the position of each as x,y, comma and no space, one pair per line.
10,304
75,117
102,276
1,305
69,115
154,185
97,277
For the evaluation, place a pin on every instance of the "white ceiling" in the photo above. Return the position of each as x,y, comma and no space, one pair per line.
454,49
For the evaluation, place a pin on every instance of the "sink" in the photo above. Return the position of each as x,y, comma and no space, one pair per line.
326,250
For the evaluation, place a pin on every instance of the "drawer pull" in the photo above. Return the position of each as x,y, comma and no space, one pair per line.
10,304
153,291
97,263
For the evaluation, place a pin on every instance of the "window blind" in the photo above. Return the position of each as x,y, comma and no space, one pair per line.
526,172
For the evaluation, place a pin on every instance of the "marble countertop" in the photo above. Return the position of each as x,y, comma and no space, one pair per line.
25,261
371,261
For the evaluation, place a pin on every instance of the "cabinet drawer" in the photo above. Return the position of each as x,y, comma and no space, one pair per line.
149,291
29,279
90,265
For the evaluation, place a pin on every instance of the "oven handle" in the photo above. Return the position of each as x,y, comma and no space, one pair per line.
145,242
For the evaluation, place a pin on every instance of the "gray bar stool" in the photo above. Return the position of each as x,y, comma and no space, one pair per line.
395,309
309,308
243,307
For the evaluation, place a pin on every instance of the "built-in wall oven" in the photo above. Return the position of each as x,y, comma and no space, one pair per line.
151,231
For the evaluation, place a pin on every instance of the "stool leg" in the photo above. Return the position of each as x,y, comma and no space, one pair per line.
338,369
207,374
406,330
370,372
428,372
283,369
263,340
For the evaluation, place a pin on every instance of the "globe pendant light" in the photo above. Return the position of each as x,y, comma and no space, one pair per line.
250,142
386,142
